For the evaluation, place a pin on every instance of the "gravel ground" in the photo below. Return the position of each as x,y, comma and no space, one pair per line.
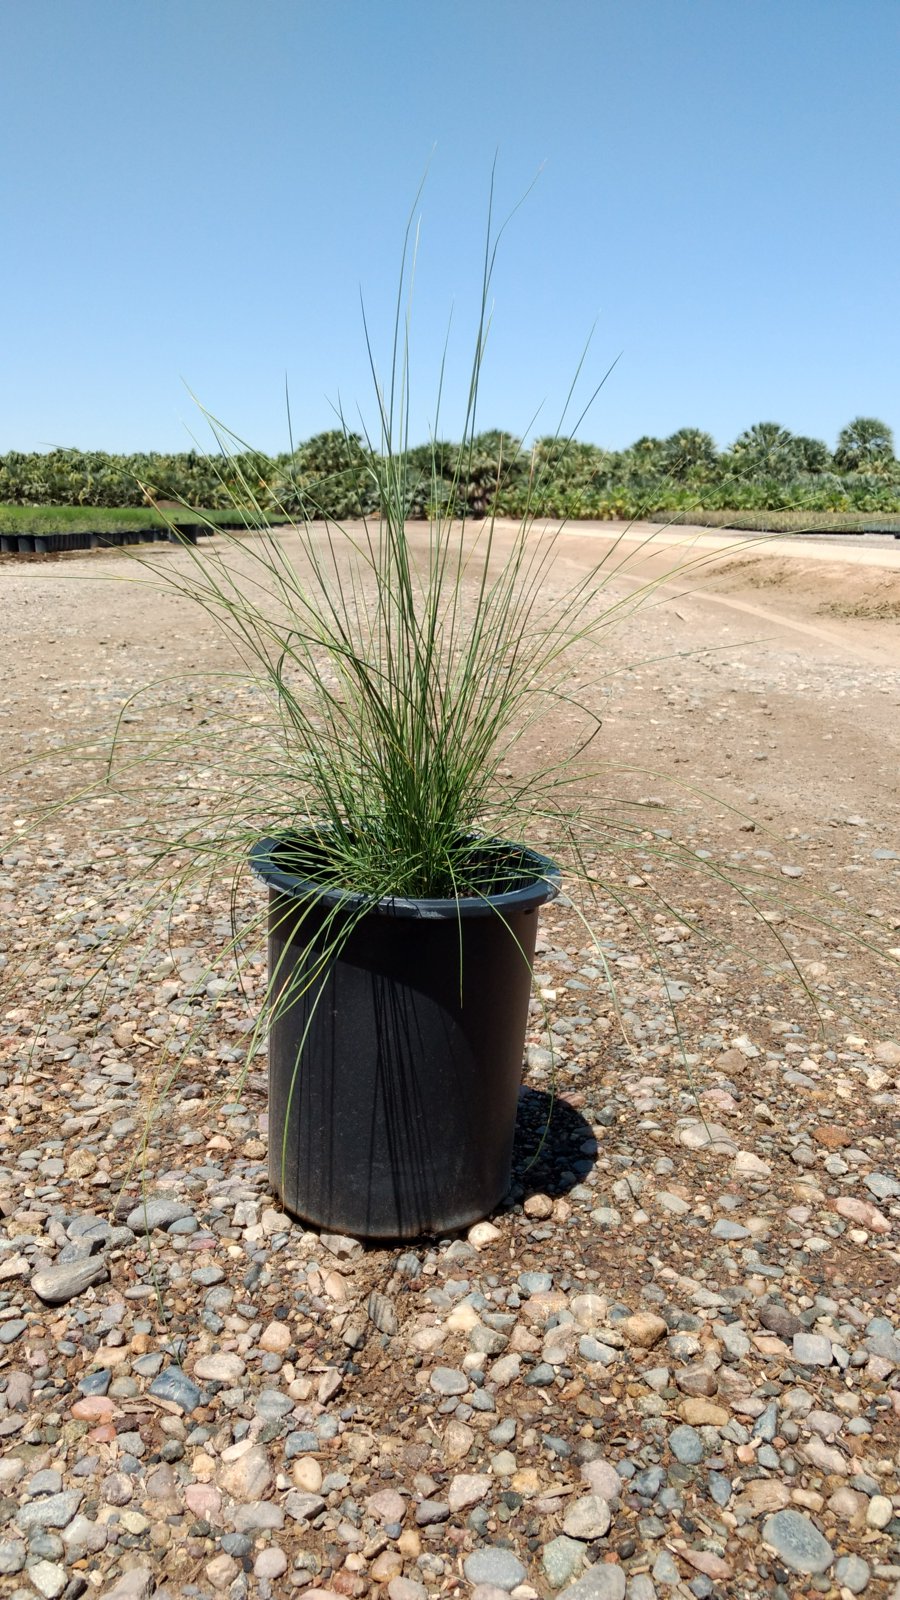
668,1366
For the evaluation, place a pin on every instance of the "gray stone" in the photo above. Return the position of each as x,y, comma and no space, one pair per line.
341,1245
135,1584
535,1282
736,1341
852,1573
95,1382
60,1284
12,1557
641,1587
47,1482
236,1544
257,1516
587,1518
51,1511
157,1211
777,1319
303,1507
173,1384
496,1566
48,1578
430,1512
591,1349
665,1569
812,1350
798,1542
271,1404
601,1582
882,1186
12,1330
382,1314
448,1380
686,1445
726,1229
720,1488
885,1346
766,1425
562,1560
84,1538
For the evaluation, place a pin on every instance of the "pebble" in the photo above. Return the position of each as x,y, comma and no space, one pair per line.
812,1350
562,1559
587,1518
270,1563
880,1511
797,1542
248,1476
686,1445
50,1511
157,1211
601,1582
63,1282
853,1573
174,1385
644,1329
224,1367
48,1578
494,1565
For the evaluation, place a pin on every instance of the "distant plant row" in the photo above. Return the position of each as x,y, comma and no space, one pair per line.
766,468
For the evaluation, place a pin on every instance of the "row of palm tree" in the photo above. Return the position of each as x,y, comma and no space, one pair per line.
767,467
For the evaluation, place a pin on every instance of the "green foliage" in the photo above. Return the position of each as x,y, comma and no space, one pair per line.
339,474
864,443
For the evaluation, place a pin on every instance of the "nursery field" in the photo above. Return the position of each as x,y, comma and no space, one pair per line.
671,1360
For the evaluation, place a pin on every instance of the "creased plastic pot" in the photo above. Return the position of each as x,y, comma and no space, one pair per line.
394,1078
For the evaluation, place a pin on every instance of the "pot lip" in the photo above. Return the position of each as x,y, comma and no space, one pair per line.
544,887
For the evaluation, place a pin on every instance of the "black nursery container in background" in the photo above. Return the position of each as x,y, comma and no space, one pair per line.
394,1076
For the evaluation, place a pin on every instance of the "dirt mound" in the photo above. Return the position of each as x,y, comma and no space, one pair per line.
834,589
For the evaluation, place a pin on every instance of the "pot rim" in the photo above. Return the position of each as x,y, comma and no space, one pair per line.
545,886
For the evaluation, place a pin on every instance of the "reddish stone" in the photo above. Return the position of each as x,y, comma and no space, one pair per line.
94,1408
832,1138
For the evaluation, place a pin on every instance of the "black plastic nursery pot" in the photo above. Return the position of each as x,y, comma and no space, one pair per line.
394,1074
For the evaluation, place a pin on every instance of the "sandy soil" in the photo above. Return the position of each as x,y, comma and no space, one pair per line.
770,668
753,723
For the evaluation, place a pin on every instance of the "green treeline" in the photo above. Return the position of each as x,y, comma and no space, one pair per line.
766,468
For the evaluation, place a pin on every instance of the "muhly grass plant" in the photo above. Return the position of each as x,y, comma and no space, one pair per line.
397,684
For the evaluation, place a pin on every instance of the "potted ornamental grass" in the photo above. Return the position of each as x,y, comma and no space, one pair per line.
403,664
385,777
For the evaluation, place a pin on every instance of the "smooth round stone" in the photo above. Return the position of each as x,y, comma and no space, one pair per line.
223,1367
496,1566
270,1563
686,1445
880,1511
798,1542
307,1474
852,1573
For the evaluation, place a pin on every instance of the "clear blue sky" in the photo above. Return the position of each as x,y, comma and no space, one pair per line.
196,190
